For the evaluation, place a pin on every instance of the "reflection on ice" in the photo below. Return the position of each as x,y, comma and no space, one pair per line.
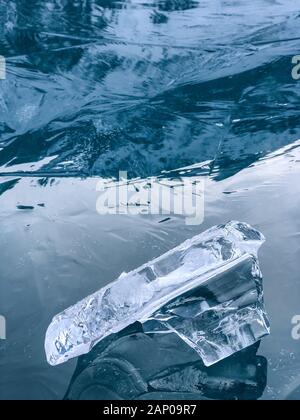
101,86
133,365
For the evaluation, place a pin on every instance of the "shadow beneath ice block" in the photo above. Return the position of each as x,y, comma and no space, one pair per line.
133,365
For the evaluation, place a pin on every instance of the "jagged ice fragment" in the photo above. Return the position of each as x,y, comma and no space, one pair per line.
207,290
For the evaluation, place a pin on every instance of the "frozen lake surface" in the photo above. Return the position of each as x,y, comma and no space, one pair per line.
97,86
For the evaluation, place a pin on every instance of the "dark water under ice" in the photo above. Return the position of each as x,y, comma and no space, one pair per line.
98,86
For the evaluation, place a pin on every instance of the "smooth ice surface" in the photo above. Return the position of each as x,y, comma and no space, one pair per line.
220,309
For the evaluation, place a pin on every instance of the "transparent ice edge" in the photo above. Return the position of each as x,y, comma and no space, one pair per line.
231,313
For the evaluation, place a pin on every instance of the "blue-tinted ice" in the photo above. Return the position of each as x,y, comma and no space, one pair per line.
208,291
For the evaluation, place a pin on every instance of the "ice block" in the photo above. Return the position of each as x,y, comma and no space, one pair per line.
208,290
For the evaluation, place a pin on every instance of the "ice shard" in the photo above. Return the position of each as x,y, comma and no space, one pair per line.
207,290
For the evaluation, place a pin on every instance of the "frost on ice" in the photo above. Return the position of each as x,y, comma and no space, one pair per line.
208,291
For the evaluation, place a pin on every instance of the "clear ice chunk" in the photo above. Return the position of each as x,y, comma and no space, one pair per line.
207,290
